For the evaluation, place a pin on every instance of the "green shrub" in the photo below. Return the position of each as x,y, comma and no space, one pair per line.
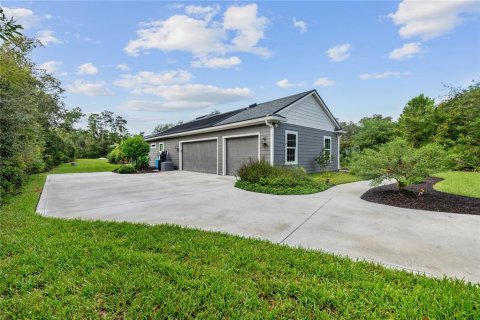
12,177
116,155
260,176
254,170
128,168
399,161
143,162
134,148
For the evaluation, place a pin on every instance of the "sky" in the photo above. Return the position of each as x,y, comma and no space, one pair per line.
158,62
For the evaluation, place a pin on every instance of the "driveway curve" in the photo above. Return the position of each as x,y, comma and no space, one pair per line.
336,220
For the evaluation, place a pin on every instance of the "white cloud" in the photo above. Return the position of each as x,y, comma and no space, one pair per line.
47,37
202,37
123,67
178,32
162,106
87,68
301,25
22,16
204,12
88,88
324,82
188,97
144,80
339,53
215,63
50,66
430,19
249,26
384,75
284,83
407,51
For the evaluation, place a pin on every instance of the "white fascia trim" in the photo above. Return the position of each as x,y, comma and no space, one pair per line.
180,150
224,158
287,132
239,124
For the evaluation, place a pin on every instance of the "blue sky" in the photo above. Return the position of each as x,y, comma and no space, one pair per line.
163,62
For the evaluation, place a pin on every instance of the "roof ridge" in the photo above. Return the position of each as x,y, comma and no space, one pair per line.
237,115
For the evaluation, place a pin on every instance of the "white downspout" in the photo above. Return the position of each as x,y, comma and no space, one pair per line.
271,139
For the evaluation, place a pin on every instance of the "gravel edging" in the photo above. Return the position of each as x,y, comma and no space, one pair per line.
427,199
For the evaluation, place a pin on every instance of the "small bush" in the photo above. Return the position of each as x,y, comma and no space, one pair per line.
116,156
254,170
128,168
260,176
143,162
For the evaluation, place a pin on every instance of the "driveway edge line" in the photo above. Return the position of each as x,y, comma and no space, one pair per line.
308,218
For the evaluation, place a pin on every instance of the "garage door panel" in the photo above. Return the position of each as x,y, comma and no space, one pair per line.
200,156
238,151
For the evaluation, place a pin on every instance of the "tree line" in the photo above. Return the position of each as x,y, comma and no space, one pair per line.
37,130
426,138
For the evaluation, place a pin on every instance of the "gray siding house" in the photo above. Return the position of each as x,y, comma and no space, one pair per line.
286,131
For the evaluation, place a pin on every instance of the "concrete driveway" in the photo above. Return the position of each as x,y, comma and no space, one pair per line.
336,220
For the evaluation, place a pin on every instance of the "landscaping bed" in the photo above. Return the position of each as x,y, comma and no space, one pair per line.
425,198
260,176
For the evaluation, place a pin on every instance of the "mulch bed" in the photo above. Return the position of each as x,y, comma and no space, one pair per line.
426,198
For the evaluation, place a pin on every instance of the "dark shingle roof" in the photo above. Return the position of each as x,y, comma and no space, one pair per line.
265,108
247,113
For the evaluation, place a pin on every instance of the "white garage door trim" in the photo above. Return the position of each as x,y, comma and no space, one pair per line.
194,140
224,153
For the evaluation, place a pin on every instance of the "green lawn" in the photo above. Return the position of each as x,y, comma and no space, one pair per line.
458,182
85,165
336,177
66,269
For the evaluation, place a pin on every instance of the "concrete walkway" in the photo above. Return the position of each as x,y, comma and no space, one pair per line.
336,220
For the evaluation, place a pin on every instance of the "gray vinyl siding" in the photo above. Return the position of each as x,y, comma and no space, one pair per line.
171,143
310,143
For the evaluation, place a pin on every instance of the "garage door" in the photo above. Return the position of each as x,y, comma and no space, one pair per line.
200,156
240,150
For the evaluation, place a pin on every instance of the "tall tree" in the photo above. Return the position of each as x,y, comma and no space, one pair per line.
346,141
9,29
417,121
373,132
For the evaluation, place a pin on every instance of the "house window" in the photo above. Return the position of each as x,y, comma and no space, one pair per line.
291,147
161,146
153,145
327,146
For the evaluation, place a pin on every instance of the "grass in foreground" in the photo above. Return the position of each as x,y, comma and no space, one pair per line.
85,165
460,183
336,178
80,269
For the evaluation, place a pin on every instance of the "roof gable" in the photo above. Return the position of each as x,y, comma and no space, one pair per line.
311,111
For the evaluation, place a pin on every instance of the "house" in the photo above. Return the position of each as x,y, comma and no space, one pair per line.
286,131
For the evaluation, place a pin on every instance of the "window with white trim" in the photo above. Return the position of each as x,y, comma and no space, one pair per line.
291,147
161,146
153,145
327,146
